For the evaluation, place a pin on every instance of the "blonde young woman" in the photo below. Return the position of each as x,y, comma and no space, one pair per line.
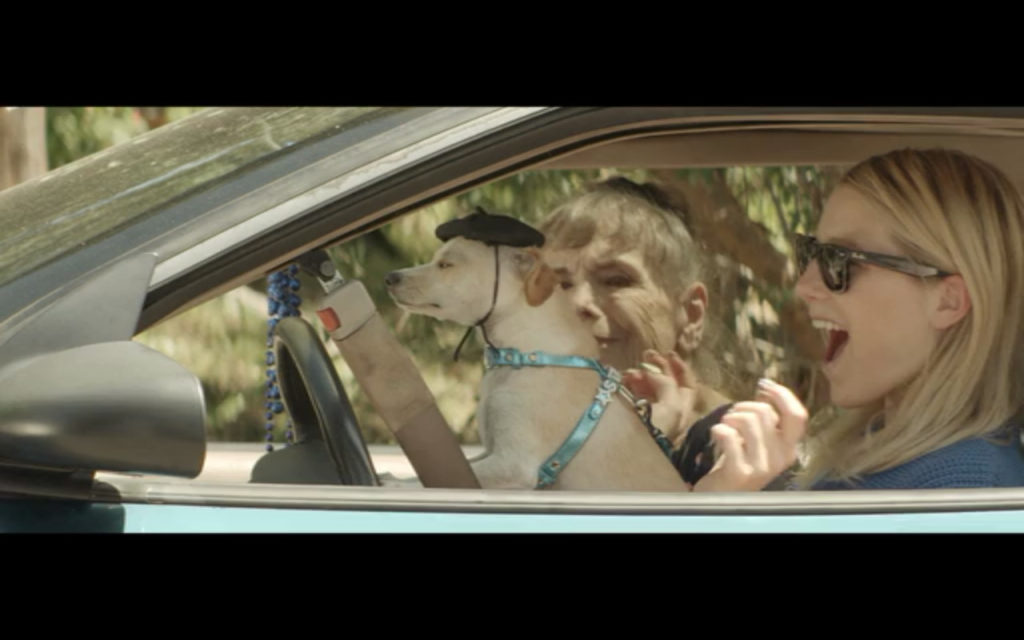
914,274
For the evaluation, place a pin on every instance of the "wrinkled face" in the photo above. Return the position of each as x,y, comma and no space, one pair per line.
457,285
877,333
617,297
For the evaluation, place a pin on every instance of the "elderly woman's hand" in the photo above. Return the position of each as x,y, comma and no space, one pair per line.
756,441
665,383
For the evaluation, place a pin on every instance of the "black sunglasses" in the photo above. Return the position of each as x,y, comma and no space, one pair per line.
834,262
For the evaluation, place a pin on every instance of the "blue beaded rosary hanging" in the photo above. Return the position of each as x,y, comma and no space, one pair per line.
282,301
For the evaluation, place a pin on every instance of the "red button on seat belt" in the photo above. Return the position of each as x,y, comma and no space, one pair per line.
329,318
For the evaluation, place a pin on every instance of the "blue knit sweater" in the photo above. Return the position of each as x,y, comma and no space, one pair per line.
969,463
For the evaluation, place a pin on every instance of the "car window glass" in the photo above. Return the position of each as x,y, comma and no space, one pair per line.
742,219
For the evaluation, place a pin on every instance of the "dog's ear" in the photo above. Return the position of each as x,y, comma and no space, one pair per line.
540,281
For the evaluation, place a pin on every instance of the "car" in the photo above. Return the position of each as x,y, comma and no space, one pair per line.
101,433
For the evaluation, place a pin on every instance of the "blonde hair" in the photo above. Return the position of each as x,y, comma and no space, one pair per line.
962,215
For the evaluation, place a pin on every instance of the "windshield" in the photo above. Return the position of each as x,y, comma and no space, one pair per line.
84,201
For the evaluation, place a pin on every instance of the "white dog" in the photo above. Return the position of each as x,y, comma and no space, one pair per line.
526,414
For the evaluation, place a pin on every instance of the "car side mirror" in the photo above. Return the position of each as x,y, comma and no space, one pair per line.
111,406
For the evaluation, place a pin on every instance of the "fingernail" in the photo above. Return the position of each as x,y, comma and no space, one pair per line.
764,383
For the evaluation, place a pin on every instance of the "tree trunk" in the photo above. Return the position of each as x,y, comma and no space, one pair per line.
22,144
719,221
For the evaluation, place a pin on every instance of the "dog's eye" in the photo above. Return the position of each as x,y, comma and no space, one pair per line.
444,264
565,284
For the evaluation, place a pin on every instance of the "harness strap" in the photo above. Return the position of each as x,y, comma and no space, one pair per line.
548,472
644,409
611,383
496,357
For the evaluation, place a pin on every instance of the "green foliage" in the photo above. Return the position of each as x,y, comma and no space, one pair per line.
783,200
75,132
222,342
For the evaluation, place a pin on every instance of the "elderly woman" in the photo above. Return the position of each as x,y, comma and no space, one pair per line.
623,252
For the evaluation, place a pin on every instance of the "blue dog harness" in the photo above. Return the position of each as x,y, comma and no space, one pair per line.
611,382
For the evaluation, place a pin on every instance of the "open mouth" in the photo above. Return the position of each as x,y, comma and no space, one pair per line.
835,338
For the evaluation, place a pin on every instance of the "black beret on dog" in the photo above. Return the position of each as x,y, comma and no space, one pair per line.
491,229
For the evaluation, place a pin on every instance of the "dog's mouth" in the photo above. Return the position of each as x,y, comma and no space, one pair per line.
411,306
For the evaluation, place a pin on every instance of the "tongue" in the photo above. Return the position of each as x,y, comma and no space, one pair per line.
836,340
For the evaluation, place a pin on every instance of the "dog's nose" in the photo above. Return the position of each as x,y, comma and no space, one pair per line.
393,278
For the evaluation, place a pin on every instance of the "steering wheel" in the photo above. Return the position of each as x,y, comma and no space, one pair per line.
329,446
